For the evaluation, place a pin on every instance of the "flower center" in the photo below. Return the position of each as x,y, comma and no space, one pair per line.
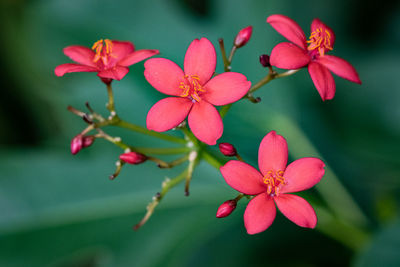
103,49
320,39
274,181
191,87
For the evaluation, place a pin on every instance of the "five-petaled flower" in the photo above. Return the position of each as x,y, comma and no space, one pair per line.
110,59
194,92
298,54
273,183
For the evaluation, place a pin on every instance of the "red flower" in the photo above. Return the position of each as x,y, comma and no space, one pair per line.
110,59
297,54
194,92
273,184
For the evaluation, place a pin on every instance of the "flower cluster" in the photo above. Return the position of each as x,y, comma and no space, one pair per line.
194,92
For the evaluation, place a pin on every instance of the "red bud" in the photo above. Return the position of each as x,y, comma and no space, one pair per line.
243,36
87,140
226,208
76,144
264,60
227,149
133,157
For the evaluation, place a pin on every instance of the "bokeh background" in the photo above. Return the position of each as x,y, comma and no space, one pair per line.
62,210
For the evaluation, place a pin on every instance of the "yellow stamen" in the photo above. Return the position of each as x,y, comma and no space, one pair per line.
100,54
320,40
191,87
274,181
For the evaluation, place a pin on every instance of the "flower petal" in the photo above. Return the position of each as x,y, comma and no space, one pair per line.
243,177
116,73
303,174
340,67
226,88
273,153
323,80
200,59
168,113
121,49
60,70
259,214
289,56
205,122
80,54
297,209
164,75
137,56
289,29
316,23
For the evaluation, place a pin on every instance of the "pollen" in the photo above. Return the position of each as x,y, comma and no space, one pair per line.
103,50
274,181
320,39
191,87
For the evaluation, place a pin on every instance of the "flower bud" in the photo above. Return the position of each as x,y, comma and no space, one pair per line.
243,36
227,149
76,144
264,60
226,208
87,140
133,157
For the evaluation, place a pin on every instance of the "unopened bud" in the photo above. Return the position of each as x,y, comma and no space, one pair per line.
227,149
226,208
87,140
264,60
76,144
243,36
133,157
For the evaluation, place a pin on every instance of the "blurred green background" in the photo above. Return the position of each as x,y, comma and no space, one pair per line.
62,210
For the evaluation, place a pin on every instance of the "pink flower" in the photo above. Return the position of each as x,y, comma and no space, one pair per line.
194,92
298,54
110,59
273,185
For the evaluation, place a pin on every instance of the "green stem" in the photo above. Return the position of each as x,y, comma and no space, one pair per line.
110,104
271,76
161,151
119,164
233,50
164,164
223,53
193,160
189,136
212,160
166,186
144,150
142,130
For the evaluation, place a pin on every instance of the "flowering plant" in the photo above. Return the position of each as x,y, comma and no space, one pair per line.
194,93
